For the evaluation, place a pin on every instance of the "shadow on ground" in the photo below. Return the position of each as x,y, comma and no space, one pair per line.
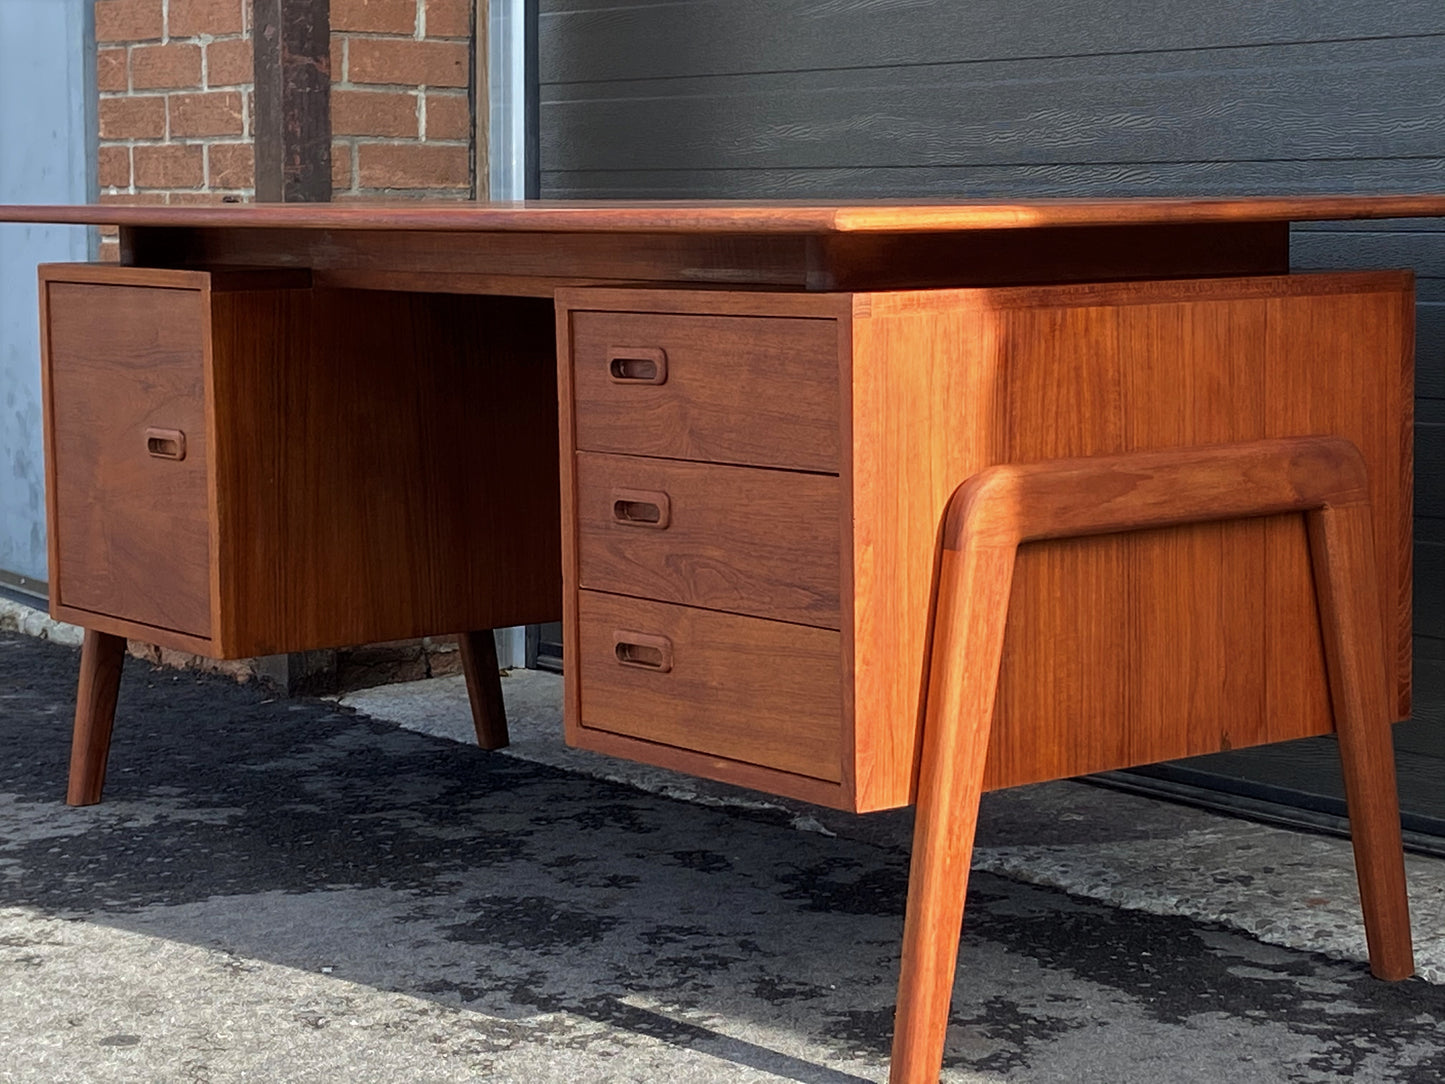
304,835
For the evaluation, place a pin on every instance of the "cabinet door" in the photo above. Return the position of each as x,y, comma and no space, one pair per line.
129,506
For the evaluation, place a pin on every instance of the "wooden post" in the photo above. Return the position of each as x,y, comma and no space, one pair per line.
292,50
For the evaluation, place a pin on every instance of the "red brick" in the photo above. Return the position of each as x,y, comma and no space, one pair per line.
133,118
340,167
129,20
374,16
414,165
109,251
110,70
448,116
138,197
169,165
189,18
233,165
374,113
113,167
210,113
408,63
229,63
156,66
447,18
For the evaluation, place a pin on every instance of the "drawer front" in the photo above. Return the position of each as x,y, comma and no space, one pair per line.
757,542
760,391
129,510
756,691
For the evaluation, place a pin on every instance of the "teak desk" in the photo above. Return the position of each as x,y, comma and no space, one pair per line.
281,428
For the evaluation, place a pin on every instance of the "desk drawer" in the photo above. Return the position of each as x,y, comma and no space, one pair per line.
761,391
757,542
129,453
760,692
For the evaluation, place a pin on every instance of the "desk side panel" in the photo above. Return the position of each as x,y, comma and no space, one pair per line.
1135,648
387,466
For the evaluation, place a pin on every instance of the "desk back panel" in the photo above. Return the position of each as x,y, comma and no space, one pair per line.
366,497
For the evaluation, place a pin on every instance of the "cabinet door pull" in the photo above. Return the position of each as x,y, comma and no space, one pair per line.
642,651
641,508
637,365
166,443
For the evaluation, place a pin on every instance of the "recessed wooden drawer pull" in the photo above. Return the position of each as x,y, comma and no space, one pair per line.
637,365
641,508
166,443
643,651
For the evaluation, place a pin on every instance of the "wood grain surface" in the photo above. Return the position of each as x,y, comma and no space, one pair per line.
763,543
540,263
341,483
129,533
780,699
1121,650
1001,507
359,457
738,216
781,375
102,656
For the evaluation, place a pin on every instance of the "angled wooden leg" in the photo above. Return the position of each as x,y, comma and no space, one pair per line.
484,687
1342,551
963,679
101,658
999,508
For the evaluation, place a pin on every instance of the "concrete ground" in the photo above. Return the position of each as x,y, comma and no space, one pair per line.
295,890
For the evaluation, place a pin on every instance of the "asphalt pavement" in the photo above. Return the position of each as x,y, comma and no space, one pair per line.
293,890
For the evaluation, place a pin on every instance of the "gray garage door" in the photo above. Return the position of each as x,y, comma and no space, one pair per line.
758,98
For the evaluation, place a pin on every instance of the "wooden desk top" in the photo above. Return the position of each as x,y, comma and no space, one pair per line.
535,247
739,217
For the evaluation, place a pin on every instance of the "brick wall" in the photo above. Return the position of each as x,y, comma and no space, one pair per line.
176,85
401,113
175,79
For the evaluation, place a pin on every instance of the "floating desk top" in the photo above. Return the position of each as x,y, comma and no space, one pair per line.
741,216
534,248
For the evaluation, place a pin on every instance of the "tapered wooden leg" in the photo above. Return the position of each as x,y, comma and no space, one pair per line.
484,687
1003,506
1342,550
101,658
967,648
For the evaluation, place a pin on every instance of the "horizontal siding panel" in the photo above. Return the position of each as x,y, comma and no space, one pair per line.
1365,225
1430,589
1429,462
1327,250
1429,678
594,40
1432,648
1430,353
1362,175
1284,103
